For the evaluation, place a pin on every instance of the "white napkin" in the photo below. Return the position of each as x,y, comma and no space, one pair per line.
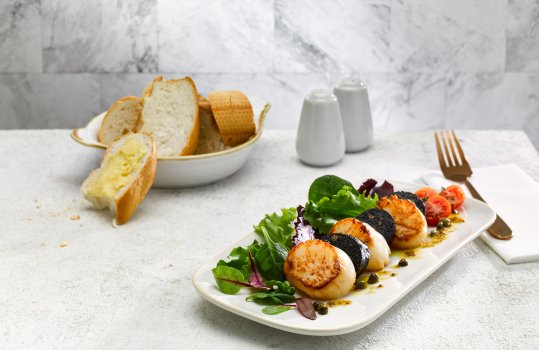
513,195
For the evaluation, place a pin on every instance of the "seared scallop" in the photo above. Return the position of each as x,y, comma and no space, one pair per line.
411,225
379,250
319,270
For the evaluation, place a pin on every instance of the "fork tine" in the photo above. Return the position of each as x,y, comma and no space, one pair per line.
457,143
453,152
441,159
450,161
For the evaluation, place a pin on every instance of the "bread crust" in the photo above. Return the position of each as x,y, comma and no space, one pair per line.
102,127
192,140
128,203
234,116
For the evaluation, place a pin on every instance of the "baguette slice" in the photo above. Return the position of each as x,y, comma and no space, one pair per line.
121,118
124,177
210,139
234,116
170,113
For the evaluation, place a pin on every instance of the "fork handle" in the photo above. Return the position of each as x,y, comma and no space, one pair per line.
499,229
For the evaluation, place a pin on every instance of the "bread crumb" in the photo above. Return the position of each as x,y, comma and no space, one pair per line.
75,217
63,244
171,265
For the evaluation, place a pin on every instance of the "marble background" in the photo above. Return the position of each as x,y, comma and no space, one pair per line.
429,64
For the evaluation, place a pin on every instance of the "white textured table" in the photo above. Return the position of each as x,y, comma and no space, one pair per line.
130,287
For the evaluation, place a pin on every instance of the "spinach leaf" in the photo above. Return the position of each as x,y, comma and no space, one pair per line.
229,273
279,227
271,298
281,286
281,292
276,309
239,258
323,214
328,186
270,258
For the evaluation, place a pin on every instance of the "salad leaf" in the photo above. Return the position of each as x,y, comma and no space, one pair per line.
306,308
239,258
278,227
303,230
281,286
276,309
255,280
280,292
328,186
223,273
369,188
270,257
345,204
272,298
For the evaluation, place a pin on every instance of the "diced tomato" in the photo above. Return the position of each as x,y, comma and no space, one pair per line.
437,208
425,193
454,195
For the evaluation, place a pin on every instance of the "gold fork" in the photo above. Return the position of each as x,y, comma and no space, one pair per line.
458,169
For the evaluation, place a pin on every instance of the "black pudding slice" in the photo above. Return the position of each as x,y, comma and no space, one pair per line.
357,251
381,221
415,199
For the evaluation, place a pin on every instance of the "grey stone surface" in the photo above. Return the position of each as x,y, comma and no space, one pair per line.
130,287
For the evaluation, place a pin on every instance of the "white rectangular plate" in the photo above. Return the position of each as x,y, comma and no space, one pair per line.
366,305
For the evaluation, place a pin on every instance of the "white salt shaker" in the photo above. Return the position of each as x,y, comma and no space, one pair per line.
355,112
320,138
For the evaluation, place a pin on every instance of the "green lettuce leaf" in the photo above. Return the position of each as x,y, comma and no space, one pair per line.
278,227
347,203
239,258
270,258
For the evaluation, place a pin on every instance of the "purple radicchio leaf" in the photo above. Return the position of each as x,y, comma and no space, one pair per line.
303,230
367,187
306,308
385,190
256,280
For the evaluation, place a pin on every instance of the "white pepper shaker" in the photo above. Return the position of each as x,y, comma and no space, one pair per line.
320,138
355,112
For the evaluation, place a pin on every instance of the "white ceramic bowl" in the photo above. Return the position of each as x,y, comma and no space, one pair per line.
195,170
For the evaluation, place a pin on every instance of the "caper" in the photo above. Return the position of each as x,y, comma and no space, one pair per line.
433,233
446,222
323,310
360,284
373,278
403,262
317,305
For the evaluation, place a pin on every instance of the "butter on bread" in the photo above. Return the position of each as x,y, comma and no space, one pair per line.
210,139
170,113
120,119
126,174
234,116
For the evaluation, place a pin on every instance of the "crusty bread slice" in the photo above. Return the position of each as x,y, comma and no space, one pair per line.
124,177
234,116
121,118
210,139
170,113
